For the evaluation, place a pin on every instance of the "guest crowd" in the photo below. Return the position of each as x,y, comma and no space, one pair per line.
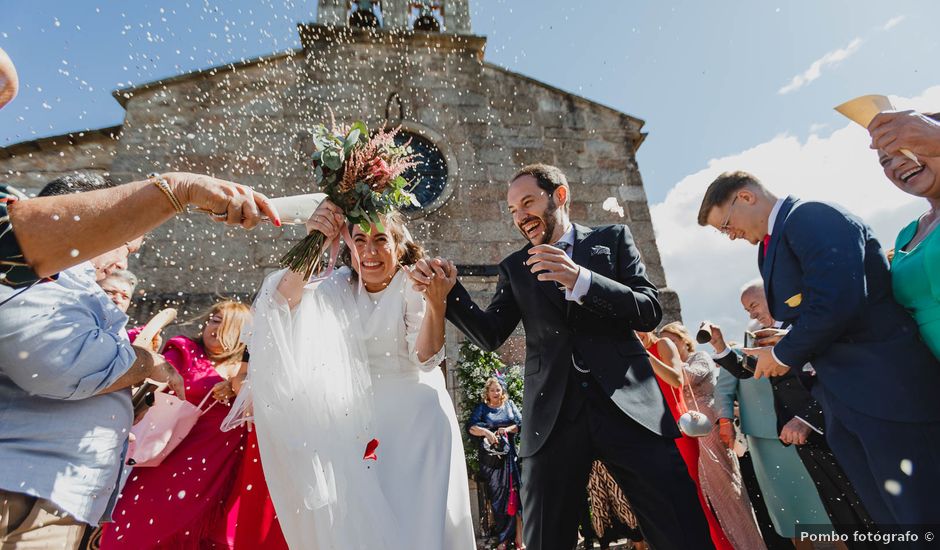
826,417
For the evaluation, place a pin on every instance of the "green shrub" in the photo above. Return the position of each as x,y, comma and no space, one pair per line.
474,367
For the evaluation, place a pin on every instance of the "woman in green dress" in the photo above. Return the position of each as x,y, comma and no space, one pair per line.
915,266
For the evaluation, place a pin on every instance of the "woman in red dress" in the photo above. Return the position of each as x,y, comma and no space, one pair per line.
180,504
252,520
668,369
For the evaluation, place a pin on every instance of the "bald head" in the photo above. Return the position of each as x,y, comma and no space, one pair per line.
9,83
755,303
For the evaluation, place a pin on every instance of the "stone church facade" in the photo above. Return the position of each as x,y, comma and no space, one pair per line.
249,122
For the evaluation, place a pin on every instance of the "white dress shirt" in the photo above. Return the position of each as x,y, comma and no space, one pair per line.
581,286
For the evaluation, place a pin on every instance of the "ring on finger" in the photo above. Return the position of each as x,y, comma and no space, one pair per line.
219,216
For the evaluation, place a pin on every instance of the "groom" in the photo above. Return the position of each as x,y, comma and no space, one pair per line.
590,392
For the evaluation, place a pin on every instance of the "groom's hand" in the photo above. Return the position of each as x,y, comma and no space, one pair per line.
426,270
552,264
443,280
421,274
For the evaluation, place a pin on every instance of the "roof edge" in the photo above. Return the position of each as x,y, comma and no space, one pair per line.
70,138
638,121
123,95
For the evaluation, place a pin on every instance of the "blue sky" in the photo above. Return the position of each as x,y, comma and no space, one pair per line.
730,84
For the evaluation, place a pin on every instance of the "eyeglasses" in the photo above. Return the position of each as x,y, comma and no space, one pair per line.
112,293
723,228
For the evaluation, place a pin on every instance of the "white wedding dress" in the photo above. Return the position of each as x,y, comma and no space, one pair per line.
326,378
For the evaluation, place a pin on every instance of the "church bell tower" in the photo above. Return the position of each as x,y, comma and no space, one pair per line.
441,16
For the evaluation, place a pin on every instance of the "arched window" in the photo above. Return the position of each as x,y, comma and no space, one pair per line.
430,174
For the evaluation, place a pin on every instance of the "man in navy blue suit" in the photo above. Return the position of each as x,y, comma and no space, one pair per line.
826,275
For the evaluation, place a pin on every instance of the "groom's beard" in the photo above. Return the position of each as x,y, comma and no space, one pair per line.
548,223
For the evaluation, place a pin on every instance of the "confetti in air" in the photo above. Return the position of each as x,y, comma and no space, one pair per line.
611,205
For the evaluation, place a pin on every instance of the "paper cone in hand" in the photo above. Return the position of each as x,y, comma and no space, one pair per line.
862,109
298,208
154,326
145,339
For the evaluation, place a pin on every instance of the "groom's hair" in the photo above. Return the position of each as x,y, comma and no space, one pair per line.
548,177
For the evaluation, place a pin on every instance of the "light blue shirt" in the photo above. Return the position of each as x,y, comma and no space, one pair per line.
61,343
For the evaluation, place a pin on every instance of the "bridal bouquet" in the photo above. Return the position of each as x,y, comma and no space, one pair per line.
362,174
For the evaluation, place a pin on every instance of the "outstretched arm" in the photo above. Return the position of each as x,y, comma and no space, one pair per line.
56,233
488,328
430,339
670,368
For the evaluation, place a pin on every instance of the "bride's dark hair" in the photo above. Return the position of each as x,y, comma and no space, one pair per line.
409,252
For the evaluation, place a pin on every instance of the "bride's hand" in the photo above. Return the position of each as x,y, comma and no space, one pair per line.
442,280
327,219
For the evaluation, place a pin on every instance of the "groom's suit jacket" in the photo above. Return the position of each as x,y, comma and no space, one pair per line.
824,273
599,331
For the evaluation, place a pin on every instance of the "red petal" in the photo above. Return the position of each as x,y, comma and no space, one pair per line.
370,450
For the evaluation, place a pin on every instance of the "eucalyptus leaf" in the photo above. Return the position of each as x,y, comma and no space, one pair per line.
351,140
332,159
363,129
377,220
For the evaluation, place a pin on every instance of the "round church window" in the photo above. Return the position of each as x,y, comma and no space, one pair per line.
430,173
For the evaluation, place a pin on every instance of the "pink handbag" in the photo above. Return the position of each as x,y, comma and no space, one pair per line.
165,425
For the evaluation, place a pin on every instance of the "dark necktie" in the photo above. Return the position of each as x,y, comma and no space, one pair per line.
563,246
575,356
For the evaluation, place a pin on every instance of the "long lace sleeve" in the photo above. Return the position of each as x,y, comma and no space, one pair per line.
414,317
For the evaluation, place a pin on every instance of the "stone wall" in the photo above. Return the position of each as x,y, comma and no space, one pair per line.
30,165
250,123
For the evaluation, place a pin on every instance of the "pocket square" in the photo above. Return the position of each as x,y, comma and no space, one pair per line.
600,251
795,300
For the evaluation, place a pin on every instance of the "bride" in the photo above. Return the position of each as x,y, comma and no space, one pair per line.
358,436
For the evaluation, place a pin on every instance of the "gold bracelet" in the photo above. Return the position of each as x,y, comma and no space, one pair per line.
164,187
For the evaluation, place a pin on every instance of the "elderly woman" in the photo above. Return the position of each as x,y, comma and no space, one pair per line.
180,504
915,275
718,469
495,422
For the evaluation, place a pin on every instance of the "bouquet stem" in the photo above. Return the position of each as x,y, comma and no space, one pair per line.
304,257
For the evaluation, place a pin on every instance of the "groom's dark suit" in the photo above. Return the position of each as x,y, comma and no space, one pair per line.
615,412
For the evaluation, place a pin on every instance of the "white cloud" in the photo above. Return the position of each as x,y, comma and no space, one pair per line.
893,22
707,270
815,69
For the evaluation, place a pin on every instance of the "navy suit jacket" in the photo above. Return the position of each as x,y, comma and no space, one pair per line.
825,273
791,397
600,330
